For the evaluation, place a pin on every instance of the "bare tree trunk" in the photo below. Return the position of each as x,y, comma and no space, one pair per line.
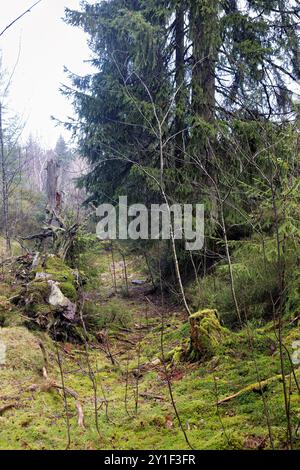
52,184
5,205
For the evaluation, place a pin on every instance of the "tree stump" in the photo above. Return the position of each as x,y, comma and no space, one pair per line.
206,333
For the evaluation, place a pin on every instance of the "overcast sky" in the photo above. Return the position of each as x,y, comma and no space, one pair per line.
47,45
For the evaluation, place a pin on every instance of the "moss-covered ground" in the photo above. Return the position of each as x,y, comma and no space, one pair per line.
134,407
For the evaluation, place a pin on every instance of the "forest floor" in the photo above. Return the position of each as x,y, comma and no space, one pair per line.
131,383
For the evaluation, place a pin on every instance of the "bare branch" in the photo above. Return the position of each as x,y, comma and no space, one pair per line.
19,17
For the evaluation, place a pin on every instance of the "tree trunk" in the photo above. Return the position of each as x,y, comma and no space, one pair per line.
5,205
204,33
205,38
180,91
52,185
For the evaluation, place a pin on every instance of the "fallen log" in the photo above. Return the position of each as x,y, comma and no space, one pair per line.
257,387
151,397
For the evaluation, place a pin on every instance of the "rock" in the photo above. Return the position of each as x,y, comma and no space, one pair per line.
206,334
156,362
43,276
138,282
58,299
2,353
35,261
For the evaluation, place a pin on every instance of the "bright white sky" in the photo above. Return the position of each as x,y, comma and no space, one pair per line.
47,45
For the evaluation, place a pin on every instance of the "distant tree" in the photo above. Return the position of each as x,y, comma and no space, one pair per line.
36,158
192,87
11,156
207,61
63,153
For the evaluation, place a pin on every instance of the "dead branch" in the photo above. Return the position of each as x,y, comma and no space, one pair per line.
151,397
19,17
7,407
52,384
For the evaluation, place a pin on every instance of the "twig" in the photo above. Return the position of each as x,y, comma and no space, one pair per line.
19,17
153,397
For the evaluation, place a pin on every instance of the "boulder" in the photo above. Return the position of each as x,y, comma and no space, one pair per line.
59,300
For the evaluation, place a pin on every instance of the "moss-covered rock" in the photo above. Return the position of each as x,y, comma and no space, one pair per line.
206,334
56,270
56,267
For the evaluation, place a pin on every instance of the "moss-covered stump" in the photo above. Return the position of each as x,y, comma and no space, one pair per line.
206,334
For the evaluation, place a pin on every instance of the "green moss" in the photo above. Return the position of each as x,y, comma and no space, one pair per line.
37,295
206,313
39,289
206,334
231,365
58,269
22,349
68,290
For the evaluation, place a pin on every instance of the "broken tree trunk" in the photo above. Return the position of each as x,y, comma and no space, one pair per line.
52,186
